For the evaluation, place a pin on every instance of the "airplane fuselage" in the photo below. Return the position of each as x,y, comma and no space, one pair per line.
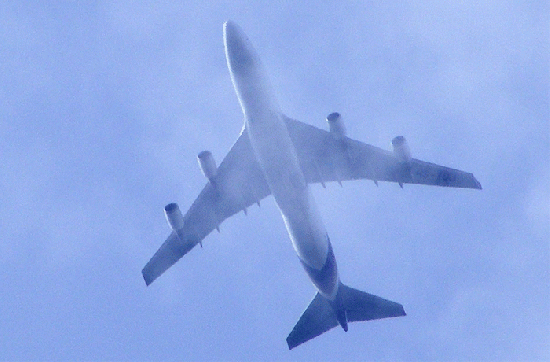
276,155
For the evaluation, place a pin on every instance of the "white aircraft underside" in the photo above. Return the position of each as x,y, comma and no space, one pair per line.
280,156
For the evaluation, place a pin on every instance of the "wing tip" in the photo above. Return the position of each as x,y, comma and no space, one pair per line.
478,184
148,278
475,184
402,312
290,345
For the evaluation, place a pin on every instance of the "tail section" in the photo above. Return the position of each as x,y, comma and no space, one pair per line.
350,305
318,318
361,306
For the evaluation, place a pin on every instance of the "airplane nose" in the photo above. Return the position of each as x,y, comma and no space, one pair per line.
230,28
239,52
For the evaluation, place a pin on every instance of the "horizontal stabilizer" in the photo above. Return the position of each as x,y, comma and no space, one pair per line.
320,315
318,318
361,306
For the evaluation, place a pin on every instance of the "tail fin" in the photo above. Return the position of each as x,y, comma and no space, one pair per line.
321,314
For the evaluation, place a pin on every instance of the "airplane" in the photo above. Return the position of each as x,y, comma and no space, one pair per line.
279,156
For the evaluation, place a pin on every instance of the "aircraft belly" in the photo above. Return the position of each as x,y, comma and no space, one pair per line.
307,232
277,157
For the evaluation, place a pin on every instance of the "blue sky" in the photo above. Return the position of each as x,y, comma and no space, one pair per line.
105,105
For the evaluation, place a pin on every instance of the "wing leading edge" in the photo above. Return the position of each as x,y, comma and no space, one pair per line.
238,184
325,157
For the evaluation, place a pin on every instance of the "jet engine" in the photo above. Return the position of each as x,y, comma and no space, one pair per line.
174,216
401,149
208,165
336,124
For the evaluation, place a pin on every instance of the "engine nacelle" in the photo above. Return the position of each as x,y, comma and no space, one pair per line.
174,216
336,124
208,165
401,149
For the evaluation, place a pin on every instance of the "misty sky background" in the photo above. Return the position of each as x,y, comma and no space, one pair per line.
105,105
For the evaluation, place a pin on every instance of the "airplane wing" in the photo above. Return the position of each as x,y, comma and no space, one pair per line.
239,183
326,157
